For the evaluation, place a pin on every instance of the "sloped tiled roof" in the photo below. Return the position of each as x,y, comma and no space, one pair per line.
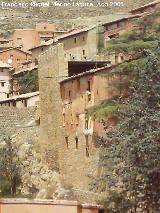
146,5
20,97
14,48
74,32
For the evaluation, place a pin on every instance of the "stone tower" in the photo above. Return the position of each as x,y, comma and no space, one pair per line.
52,69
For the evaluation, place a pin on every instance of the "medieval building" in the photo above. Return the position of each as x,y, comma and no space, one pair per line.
65,97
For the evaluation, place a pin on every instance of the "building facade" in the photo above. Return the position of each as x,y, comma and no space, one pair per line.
65,125
15,57
21,101
25,38
80,44
45,31
5,77
5,43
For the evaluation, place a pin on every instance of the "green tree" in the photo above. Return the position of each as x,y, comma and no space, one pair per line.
9,167
131,150
28,82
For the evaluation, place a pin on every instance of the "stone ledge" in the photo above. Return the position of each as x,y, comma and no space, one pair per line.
48,202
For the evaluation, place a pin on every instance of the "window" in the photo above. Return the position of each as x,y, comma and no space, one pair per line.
97,92
76,141
86,123
45,27
116,59
89,86
89,91
64,119
89,97
71,119
14,103
2,84
122,58
67,143
38,122
83,38
25,103
19,39
84,52
75,40
87,146
114,36
77,120
1,69
69,94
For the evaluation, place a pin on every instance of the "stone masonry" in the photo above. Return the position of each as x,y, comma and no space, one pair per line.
52,69
75,168
12,119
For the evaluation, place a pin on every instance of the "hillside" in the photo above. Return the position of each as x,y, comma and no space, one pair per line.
14,17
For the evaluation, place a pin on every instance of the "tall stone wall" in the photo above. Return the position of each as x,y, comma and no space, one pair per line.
52,69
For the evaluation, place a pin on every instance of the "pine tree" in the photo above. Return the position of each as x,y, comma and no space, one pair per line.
9,167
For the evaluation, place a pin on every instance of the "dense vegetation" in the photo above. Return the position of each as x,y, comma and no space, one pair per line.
9,167
130,155
28,83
